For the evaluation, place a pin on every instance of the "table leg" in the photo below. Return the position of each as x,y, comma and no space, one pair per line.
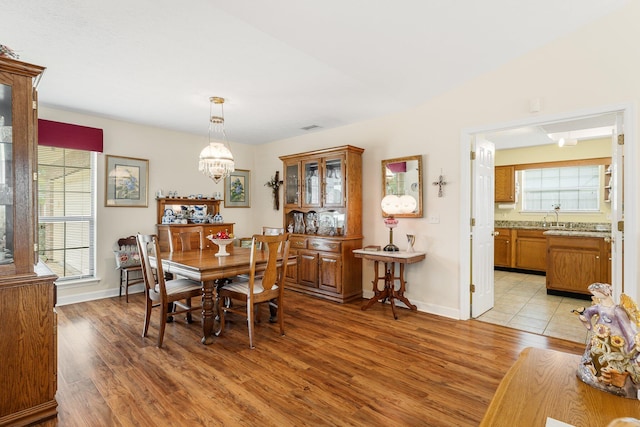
208,313
377,293
400,292
389,278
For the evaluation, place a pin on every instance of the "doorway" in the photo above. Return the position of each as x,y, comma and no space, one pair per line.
467,232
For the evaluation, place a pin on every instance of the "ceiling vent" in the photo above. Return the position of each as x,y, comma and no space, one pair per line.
310,127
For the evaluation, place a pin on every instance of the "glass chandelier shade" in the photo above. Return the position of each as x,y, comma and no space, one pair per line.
216,160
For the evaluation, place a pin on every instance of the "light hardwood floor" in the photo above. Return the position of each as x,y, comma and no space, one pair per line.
336,366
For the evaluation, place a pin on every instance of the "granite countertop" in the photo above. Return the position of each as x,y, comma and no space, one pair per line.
574,233
578,229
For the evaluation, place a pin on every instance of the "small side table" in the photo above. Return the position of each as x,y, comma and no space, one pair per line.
389,292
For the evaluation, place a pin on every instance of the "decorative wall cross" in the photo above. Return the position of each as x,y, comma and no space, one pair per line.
440,183
275,184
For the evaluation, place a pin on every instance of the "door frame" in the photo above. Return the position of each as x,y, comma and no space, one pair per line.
630,270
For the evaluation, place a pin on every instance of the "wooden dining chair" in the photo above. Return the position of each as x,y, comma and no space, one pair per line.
182,239
128,262
172,296
266,288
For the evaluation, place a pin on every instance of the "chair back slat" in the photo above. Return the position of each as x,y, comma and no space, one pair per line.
180,239
275,245
154,283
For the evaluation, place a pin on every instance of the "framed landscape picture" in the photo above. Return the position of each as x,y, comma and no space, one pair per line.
126,182
237,189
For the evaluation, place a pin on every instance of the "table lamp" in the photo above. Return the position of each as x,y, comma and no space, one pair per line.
393,205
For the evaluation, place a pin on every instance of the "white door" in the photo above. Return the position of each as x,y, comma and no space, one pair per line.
617,207
482,232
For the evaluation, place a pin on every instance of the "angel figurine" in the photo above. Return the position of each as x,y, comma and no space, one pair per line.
610,361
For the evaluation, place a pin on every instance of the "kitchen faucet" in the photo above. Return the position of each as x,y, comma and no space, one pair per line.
556,210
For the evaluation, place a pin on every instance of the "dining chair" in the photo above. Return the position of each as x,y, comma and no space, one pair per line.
266,288
172,296
181,239
128,262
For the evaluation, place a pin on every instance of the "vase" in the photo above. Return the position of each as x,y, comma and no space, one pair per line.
222,246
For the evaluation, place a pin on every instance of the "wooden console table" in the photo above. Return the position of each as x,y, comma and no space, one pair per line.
543,384
389,292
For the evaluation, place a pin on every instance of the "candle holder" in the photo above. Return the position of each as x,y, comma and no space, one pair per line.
391,223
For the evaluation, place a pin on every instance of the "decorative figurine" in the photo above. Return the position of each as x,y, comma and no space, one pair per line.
610,361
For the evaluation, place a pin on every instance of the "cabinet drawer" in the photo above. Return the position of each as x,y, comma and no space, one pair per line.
324,245
298,243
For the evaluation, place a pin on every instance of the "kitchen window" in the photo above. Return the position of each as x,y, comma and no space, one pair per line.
573,188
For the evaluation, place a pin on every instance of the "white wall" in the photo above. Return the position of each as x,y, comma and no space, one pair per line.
593,67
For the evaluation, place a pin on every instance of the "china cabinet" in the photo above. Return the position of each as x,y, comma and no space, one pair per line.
192,212
28,341
323,211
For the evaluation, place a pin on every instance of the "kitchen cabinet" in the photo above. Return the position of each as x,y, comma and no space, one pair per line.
178,204
28,331
530,250
323,211
505,184
502,247
574,262
524,249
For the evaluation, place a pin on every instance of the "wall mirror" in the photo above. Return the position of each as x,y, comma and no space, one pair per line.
403,176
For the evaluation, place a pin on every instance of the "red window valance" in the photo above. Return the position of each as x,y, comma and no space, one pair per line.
65,135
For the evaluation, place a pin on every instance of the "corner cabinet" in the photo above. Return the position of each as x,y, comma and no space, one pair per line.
323,211
28,324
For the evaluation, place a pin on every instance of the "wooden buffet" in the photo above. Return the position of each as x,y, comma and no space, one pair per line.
323,211
28,323
174,203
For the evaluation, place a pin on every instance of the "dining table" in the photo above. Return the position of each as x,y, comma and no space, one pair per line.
204,266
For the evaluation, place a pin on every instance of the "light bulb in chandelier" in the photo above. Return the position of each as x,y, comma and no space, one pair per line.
216,160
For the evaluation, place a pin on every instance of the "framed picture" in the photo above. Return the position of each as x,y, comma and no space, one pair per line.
126,182
237,189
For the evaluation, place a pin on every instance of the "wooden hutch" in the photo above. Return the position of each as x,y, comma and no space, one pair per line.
28,340
182,204
323,211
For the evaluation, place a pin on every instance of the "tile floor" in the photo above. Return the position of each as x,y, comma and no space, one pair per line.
521,302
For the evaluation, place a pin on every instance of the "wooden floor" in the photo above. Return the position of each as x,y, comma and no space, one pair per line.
336,366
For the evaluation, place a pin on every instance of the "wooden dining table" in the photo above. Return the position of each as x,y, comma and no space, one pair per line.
205,267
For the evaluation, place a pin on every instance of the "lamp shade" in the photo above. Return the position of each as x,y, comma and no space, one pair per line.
395,205
390,204
216,161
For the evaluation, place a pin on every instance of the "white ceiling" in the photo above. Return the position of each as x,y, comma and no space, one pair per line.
281,64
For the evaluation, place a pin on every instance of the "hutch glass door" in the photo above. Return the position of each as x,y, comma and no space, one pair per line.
6,175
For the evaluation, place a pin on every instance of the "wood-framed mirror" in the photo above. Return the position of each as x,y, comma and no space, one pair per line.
403,176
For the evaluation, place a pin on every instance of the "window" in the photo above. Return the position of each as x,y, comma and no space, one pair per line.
574,188
66,211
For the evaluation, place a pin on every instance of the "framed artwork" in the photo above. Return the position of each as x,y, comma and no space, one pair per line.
237,189
126,182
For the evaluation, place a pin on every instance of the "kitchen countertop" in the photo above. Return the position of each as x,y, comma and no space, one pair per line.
575,229
574,233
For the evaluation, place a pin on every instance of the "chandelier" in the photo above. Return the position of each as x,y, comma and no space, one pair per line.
216,160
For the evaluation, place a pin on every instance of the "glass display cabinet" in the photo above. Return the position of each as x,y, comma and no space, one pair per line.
323,211
28,343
